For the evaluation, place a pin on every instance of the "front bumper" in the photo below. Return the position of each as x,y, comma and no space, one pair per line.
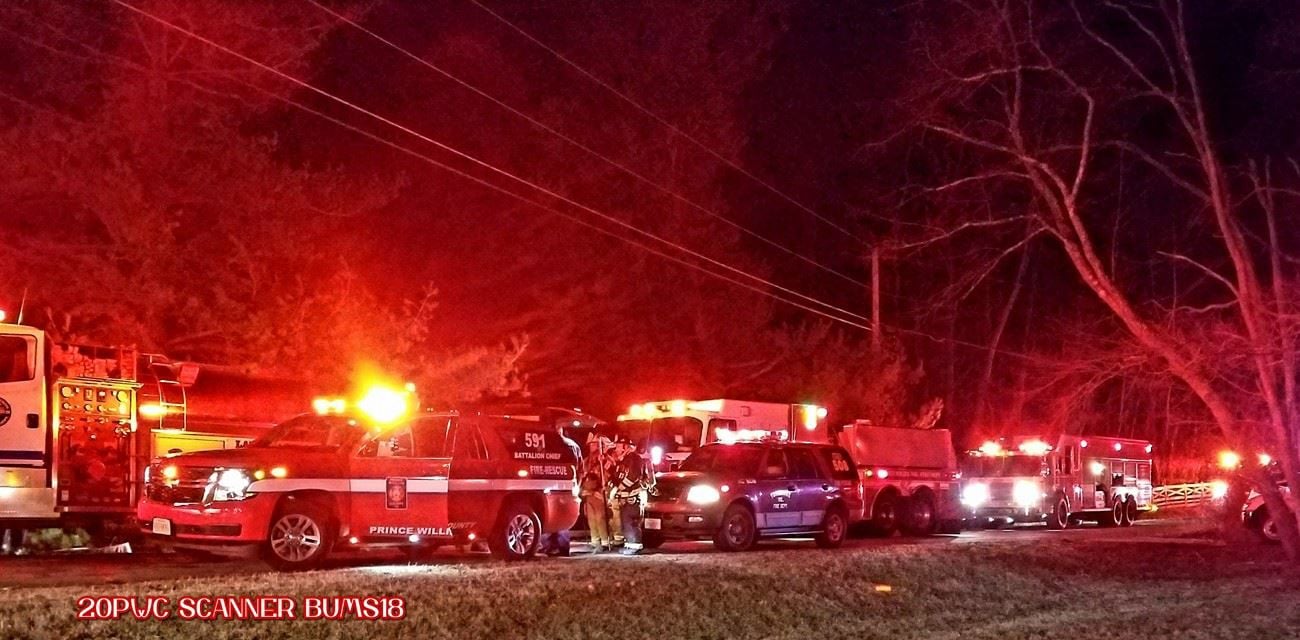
218,523
1007,514
683,521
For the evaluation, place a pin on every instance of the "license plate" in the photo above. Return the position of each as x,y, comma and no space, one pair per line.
653,523
162,526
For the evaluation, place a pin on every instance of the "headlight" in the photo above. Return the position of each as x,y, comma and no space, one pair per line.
703,494
975,494
1026,493
231,484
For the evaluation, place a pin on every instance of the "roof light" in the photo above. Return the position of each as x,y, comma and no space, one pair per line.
678,407
384,405
1034,447
279,472
1265,459
990,448
152,410
1229,460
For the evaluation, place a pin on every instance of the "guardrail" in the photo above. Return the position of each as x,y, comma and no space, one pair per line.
1182,495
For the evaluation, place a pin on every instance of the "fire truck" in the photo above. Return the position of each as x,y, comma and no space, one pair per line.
909,478
670,430
79,423
341,480
1026,479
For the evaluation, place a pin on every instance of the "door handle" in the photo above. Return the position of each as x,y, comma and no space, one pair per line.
792,488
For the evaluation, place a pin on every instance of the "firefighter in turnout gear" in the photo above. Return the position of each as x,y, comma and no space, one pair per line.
633,480
596,472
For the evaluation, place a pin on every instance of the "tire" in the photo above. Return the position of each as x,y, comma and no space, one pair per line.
835,527
1114,517
300,536
652,539
1059,518
517,534
1130,513
884,514
921,518
1263,524
738,531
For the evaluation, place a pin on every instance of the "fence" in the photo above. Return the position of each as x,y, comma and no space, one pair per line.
1183,495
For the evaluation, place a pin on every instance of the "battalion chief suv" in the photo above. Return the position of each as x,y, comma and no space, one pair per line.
738,493
319,482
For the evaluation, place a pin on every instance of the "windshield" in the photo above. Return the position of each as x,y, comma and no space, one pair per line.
741,460
312,432
1001,466
674,435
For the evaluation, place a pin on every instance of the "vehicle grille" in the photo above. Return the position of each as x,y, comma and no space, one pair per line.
187,488
1000,491
670,493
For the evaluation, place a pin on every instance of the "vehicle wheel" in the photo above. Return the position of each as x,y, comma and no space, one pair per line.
921,519
738,531
884,515
1264,525
652,539
1130,512
518,533
1059,518
299,537
1114,517
835,527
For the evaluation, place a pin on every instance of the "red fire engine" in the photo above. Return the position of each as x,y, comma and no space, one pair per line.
330,480
909,478
79,423
1025,479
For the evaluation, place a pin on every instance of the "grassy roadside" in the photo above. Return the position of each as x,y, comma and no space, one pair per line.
1040,589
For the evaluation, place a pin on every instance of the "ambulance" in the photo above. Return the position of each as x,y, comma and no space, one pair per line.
341,479
1061,481
668,431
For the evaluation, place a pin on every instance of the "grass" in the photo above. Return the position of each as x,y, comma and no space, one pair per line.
1036,589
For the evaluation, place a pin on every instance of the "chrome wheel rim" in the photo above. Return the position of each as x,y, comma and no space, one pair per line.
834,527
521,534
295,537
737,529
1269,529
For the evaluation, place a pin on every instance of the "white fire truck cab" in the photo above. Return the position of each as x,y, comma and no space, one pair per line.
78,424
909,478
1026,479
668,431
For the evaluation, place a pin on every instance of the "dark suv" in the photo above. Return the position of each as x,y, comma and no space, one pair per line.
738,493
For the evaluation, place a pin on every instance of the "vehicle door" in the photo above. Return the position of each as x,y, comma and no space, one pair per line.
22,401
844,475
776,493
475,478
813,489
399,481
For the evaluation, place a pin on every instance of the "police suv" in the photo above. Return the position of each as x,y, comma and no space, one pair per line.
317,483
737,493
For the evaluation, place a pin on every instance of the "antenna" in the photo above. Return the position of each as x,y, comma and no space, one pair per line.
21,306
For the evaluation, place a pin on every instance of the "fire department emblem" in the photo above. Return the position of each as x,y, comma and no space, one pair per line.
395,492
5,411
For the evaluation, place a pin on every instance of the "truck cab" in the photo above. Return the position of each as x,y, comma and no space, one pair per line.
670,430
1025,479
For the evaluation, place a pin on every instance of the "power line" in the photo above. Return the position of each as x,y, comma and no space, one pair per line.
671,127
570,140
480,162
571,217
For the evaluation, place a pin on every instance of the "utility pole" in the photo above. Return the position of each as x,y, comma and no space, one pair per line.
875,299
